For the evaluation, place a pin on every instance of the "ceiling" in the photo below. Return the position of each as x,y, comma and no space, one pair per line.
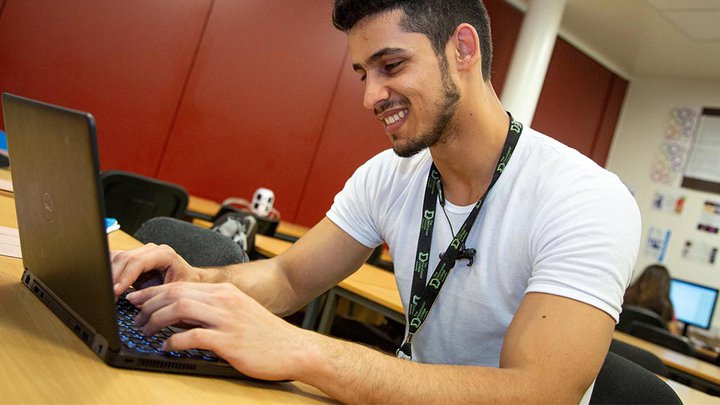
646,38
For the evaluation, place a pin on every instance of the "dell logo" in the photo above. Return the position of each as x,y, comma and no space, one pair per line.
48,208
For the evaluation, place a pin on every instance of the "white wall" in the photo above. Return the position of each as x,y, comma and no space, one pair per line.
635,147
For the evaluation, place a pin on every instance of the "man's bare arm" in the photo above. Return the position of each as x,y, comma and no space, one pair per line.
552,352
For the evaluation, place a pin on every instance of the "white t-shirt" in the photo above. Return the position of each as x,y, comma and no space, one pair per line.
555,222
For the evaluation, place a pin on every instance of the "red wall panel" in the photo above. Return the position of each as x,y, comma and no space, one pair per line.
256,101
573,98
126,62
606,130
352,135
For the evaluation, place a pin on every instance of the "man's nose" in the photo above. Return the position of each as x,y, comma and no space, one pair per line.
375,91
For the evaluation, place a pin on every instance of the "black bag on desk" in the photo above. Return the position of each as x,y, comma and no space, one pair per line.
265,225
240,227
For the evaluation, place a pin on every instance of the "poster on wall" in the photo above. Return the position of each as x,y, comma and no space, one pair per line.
710,217
699,252
668,202
677,138
702,171
657,243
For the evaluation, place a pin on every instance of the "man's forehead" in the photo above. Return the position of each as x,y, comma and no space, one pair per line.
383,18
379,35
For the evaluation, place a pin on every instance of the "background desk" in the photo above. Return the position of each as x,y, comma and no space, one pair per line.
682,365
44,362
369,286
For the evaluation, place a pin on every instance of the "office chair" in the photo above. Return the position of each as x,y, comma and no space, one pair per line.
663,337
133,199
640,357
632,313
621,381
199,247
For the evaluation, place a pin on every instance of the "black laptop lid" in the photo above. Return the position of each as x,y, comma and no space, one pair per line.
59,205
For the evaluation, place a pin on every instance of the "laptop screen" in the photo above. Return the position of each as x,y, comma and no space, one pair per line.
59,206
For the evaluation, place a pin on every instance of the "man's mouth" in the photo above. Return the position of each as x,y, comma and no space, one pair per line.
396,119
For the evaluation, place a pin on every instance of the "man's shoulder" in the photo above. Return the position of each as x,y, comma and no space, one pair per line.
546,156
561,176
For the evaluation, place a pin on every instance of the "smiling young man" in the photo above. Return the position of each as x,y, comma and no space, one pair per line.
511,250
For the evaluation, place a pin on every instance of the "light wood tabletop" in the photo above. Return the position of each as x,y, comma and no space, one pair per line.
44,362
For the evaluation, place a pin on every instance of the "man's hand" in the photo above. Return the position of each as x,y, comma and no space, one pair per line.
229,322
139,267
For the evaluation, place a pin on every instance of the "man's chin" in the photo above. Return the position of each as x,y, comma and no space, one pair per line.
406,151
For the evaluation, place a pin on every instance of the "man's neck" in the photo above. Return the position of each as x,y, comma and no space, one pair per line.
467,156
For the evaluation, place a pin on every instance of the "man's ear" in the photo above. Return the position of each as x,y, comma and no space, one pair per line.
467,46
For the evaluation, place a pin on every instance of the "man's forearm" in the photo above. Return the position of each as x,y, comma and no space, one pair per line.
264,281
357,374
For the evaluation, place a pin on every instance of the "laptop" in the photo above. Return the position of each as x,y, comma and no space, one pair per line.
60,213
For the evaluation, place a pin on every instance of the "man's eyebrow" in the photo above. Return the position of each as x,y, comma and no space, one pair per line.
377,55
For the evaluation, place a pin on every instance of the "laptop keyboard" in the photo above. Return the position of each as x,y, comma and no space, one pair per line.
132,337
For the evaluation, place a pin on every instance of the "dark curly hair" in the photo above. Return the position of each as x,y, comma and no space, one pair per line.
436,19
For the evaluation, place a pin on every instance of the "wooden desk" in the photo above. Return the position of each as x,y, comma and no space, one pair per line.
44,362
674,360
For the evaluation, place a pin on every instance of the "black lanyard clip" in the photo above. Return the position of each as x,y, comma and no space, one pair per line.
468,254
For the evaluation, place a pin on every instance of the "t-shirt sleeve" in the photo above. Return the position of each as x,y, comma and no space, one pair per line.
587,244
352,209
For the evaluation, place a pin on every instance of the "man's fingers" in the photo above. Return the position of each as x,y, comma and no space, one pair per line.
191,303
127,266
184,310
197,338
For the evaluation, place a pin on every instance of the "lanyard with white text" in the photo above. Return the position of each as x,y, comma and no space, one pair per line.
422,295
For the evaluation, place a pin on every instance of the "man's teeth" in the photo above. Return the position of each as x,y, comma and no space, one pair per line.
394,118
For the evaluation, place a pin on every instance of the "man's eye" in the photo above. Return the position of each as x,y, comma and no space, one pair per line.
391,66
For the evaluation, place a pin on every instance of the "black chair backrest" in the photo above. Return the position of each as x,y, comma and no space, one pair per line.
621,381
664,338
133,199
199,247
640,356
632,313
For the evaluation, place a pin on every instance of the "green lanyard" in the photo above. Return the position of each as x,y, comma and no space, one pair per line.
423,295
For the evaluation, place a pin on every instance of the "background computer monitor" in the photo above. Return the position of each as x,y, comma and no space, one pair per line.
694,304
